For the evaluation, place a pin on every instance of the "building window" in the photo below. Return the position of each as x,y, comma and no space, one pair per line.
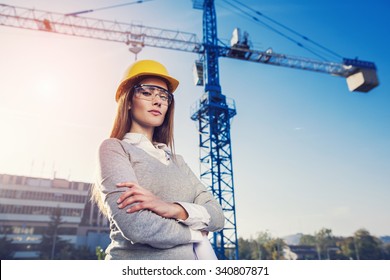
18,180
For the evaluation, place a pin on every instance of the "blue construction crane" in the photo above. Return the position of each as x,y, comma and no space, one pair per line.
213,112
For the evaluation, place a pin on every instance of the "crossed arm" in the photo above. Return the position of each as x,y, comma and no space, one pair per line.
153,221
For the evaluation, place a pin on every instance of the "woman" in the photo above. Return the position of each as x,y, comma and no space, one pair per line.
156,206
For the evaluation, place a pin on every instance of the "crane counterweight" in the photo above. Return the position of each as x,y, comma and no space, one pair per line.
363,81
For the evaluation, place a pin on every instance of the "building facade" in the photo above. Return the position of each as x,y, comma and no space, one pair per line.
27,203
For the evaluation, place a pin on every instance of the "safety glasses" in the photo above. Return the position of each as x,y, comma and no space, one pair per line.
150,92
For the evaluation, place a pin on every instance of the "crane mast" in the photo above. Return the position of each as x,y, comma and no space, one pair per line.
213,112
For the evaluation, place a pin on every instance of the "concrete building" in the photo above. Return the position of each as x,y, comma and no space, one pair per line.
26,204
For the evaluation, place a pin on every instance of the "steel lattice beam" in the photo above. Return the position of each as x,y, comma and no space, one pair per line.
213,119
98,29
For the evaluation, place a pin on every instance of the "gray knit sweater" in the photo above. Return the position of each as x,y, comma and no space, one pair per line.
144,234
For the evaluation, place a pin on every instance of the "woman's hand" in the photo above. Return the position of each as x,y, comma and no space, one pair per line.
147,200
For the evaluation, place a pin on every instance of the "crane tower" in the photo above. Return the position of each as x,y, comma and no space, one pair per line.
213,114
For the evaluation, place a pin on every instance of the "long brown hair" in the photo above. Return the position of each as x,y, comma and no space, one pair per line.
122,125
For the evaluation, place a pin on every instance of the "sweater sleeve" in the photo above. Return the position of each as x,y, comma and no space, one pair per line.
142,226
205,198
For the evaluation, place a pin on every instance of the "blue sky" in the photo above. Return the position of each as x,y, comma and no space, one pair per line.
307,153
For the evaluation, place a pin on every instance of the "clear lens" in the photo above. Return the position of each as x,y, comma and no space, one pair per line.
149,92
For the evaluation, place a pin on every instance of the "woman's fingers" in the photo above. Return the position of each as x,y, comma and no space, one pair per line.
137,207
132,199
124,196
145,202
127,194
135,195
126,184
134,189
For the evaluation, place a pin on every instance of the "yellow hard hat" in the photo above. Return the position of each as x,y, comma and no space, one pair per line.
145,68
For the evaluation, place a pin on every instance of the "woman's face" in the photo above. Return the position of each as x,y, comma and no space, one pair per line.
148,111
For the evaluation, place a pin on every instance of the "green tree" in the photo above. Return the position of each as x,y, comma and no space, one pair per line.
6,248
308,240
100,253
348,248
260,251
245,249
368,247
325,241
52,246
266,247
274,248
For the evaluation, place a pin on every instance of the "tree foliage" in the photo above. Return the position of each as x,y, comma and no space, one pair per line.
362,245
6,248
100,254
52,246
264,247
368,247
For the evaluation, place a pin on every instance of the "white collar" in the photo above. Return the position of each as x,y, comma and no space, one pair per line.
157,150
138,138
135,138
